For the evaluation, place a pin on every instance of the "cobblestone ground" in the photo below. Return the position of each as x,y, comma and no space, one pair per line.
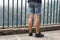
51,35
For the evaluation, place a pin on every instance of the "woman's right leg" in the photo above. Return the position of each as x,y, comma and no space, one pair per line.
30,24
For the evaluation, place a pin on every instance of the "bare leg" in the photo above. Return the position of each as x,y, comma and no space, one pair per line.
30,22
37,23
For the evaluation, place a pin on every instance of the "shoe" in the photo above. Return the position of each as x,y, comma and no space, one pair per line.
30,34
39,35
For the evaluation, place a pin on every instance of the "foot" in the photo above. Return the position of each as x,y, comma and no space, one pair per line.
39,35
30,34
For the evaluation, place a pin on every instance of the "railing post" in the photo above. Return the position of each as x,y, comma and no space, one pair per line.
59,12
3,13
47,11
12,12
51,12
25,13
8,13
17,15
44,13
21,11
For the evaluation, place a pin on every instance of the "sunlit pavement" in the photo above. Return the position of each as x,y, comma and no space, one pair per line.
50,35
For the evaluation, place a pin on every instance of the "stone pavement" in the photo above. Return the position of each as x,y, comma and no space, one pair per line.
50,35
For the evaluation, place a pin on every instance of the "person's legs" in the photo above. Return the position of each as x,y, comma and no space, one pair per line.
34,9
37,23
37,20
31,17
30,22
37,17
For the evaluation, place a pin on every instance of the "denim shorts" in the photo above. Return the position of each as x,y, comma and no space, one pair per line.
34,8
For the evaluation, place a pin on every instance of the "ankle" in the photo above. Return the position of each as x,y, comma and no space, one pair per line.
30,31
30,34
39,35
37,32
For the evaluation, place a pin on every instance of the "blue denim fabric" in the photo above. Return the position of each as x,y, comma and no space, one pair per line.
34,8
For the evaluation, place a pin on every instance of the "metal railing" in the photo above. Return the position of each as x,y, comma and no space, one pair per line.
17,13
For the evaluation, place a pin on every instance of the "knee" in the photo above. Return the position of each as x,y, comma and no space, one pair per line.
31,16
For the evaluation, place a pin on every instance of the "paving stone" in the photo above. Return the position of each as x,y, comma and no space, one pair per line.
50,35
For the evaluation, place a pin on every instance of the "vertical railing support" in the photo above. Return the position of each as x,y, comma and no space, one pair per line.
12,12
3,13
8,13
17,15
